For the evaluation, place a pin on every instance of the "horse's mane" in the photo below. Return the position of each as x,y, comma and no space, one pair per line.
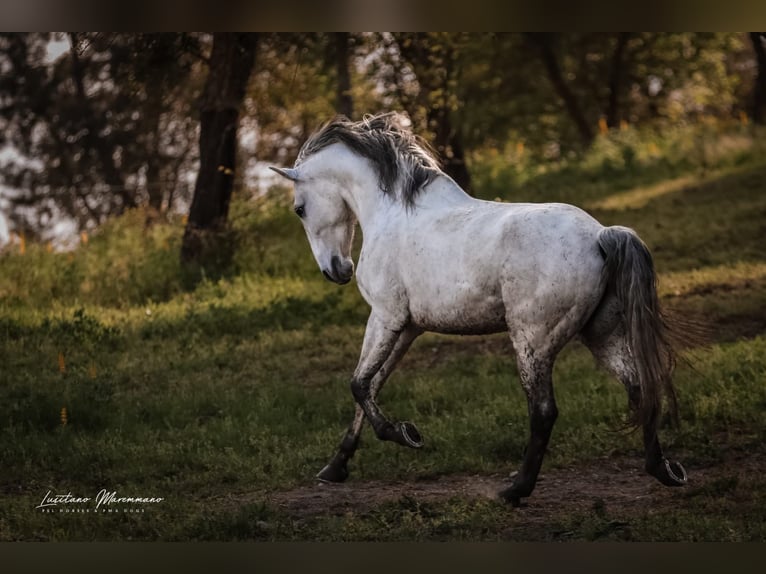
397,154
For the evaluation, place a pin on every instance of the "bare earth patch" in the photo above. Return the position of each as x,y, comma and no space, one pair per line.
617,483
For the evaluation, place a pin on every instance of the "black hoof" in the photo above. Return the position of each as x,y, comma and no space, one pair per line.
669,473
512,497
333,473
408,435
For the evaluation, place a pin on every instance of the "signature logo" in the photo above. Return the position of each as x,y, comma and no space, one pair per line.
104,501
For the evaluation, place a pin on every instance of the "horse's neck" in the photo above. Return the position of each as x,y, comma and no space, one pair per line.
365,200
373,208
443,193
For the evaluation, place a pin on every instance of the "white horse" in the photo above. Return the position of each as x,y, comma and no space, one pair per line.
435,259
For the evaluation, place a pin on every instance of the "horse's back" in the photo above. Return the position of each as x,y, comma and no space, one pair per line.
472,268
536,240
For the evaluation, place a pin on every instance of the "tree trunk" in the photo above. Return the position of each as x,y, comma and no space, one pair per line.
544,45
344,104
231,62
759,93
615,81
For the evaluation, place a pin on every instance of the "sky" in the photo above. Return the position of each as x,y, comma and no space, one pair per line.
4,238
57,47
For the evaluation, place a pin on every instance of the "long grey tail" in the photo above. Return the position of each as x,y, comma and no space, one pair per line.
630,269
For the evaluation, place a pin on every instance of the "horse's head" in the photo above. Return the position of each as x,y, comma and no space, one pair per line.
328,222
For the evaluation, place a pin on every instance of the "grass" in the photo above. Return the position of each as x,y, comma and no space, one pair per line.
232,384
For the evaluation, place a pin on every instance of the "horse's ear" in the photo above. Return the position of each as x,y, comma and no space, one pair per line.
289,173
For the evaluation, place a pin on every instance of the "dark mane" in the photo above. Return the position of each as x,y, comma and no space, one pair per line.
398,155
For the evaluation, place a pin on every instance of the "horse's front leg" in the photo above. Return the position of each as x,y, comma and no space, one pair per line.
337,469
379,342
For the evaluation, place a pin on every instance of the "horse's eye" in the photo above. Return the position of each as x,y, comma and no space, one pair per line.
300,211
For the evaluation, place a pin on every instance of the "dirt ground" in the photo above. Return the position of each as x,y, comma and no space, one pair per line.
611,483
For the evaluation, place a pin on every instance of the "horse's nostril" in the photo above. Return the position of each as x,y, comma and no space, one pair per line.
341,269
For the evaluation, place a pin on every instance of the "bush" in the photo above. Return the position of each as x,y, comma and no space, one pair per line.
123,263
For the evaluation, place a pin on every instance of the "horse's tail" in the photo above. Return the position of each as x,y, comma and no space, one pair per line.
630,271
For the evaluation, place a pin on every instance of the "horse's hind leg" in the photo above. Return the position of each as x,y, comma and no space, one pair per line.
536,379
337,469
606,339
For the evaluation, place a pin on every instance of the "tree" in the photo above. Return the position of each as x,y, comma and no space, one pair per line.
292,65
433,59
99,129
616,75
759,93
231,62
345,103
158,77
545,45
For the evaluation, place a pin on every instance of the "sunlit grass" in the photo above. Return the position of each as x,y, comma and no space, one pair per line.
726,276
638,197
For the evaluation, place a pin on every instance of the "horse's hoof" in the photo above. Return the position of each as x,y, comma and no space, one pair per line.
511,496
410,435
670,473
333,473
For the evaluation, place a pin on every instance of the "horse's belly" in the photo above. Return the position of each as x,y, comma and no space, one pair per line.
469,314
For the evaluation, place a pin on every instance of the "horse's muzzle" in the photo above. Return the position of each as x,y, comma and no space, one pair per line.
341,272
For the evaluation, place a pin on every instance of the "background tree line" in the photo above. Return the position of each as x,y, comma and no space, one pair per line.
93,124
